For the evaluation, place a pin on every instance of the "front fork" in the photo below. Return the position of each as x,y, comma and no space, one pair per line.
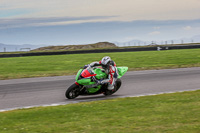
81,87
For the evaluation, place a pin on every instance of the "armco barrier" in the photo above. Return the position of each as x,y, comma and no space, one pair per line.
102,51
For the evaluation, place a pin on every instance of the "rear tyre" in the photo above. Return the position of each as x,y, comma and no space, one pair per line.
72,92
117,86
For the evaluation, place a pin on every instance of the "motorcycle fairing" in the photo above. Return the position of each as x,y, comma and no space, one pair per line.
85,74
122,71
100,73
84,77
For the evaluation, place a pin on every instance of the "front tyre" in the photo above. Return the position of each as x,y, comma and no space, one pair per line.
72,92
117,86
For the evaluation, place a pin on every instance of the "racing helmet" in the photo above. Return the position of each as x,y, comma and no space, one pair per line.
105,60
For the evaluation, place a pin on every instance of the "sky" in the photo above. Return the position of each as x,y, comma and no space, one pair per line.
67,22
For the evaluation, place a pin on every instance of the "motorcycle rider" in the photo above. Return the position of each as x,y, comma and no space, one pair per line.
110,69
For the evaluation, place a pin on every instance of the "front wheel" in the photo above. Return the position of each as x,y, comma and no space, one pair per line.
72,92
117,86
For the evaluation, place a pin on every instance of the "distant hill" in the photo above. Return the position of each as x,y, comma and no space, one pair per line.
29,47
77,47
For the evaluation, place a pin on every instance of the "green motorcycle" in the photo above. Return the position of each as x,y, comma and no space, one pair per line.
86,82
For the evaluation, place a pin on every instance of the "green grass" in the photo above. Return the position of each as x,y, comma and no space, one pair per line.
55,65
166,113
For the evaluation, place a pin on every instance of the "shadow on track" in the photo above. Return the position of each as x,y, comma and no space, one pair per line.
93,98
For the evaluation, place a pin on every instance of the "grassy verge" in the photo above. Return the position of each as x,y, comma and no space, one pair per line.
169,113
55,65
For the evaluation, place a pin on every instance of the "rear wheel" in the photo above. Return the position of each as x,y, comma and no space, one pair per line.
72,92
117,86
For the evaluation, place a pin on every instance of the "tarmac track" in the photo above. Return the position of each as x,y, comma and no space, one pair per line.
50,91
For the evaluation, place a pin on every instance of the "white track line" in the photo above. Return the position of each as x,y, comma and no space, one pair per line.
104,98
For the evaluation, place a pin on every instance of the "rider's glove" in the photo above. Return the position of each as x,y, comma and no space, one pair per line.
100,82
85,66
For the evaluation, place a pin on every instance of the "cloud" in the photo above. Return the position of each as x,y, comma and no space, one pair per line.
154,33
187,28
14,13
156,28
85,31
29,22
126,10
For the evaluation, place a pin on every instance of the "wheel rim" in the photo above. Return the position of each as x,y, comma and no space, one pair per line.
73,93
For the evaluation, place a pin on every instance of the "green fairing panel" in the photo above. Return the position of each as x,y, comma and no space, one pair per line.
100,74
122,71
78,73
85,81
93,90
